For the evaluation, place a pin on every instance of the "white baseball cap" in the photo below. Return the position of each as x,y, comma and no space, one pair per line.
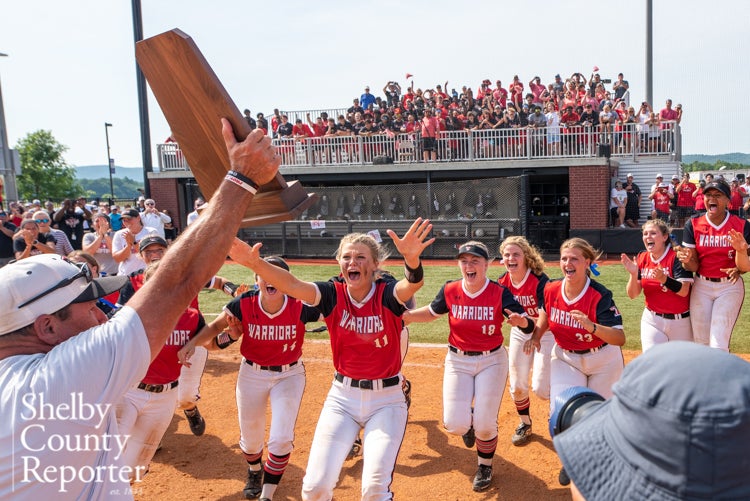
44,284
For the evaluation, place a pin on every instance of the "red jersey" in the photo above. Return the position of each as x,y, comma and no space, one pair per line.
685,195
712,243
661,201
700,201
166,368
735,201
365,337
529,293
271,338
475,320
658,298
595,301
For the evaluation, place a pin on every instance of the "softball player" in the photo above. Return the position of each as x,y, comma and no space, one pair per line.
707,250
144,413
151,249
271,331
525,278
363,316
476,365
665,284
585,323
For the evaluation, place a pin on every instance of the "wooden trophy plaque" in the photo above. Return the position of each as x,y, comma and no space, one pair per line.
193,101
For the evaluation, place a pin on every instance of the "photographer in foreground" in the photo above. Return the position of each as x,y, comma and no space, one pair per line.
667,432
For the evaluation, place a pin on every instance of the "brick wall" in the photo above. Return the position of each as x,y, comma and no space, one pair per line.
166,194
589,196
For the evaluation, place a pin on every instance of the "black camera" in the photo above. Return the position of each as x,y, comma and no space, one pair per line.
606,80
571,406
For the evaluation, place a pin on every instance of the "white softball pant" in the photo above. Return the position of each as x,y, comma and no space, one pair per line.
255,387
597,370
189,390
480,379
714,309
382,414
144,417
521,366
656,329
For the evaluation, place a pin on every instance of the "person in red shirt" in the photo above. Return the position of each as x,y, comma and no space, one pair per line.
476,365
714,247
500,94
525,278
684,193
735,199
363,315
271,329
516,92
700,202
665,285
430,130
144,413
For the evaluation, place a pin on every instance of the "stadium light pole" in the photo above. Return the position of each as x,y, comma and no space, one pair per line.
110,161
9,171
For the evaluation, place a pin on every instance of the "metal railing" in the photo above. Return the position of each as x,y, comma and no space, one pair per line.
627,140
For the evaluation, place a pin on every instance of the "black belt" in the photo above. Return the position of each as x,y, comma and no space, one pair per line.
474,353
711,279
272,368
583,352
671,316
158,388
369,384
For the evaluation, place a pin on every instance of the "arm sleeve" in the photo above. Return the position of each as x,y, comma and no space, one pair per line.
543,279
126,292
678,272
606,310
510,303
688,236
438,306
233,307
327,292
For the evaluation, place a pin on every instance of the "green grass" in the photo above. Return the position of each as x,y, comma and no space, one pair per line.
613,276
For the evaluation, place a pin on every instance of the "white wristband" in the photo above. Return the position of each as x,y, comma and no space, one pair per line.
239,182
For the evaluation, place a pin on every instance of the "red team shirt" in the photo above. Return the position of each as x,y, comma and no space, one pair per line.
365,337
685,195
712,243
659,299
475,320
166,368
529,293
595,301
271,339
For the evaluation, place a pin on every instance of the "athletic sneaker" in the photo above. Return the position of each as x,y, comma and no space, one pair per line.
254,484
563,477
482,478
469,438
196,421
522,434
356,449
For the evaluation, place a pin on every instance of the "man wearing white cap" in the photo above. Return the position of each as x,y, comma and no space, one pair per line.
63,365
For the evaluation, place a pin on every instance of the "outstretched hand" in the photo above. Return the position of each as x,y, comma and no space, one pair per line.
737,241
631,266
242,253
516,319
413,242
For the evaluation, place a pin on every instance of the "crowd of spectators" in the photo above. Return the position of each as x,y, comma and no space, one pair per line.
550,119
76,225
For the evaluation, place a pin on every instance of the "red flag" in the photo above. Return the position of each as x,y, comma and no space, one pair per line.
408,76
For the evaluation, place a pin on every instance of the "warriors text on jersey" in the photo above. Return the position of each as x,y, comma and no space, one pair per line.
529,293
595,301
475,320
271,338
165,368
659,299
712,243
366,336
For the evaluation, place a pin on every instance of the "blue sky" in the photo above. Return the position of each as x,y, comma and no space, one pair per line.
71,64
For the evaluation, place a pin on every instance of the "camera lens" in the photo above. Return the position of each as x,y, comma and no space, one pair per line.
571,406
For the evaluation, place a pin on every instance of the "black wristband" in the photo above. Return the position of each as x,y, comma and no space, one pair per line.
529,326
230,288
414,275
223,340
243,178
673,285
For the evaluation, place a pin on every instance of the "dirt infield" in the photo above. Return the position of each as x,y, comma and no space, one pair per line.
431,464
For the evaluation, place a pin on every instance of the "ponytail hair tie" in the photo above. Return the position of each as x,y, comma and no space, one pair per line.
593,267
